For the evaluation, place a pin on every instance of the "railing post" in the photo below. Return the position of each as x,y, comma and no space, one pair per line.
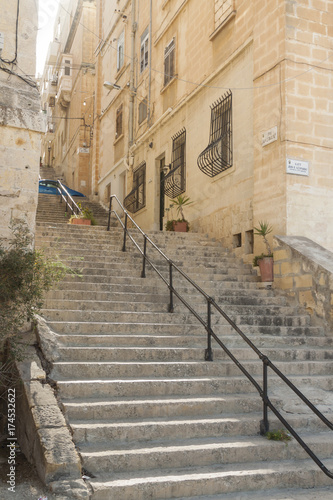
125,231
110,209
264,424
209,351
171,288
143,274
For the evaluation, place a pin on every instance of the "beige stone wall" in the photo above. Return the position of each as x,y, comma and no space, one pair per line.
20,119
309,116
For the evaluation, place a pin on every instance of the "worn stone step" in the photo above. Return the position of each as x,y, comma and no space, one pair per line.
179,386
108,370
128,431
311,493
198,452
79,407
167,318
210,480
266,341
91,328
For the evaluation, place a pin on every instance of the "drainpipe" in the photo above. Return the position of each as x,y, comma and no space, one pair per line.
150,50
132,88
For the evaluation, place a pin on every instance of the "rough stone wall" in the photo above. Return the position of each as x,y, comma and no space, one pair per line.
20,119
304,270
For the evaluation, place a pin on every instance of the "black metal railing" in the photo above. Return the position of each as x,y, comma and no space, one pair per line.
70,204
212,305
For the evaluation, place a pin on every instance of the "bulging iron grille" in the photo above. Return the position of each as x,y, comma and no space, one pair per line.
175,180
217,156
136,199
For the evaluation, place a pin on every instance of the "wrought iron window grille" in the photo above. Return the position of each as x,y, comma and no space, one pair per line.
217,157
175,180
136,199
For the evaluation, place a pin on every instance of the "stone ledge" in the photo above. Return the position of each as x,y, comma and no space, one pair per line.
42,430
304,270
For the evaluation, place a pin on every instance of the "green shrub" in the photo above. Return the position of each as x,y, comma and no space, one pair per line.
25,275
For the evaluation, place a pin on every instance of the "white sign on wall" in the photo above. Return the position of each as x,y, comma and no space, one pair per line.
269,136
297,167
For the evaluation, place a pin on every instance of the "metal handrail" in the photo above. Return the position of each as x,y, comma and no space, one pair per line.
263,391
64,195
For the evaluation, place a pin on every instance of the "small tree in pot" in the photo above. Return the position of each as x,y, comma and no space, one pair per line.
181,224
264,261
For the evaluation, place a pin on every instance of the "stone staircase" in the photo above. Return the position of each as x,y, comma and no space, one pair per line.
151,419
51,210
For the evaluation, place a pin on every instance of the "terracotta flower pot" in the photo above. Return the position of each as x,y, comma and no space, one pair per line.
266,268
82,222
180,227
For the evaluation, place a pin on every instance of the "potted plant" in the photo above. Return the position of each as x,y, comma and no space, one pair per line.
264,261
180,224
86,217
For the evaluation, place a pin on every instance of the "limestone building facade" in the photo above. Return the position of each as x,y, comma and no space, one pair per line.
21,123
229,104
232,102
67,93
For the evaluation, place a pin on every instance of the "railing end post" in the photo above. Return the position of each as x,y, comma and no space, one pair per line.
209,354
264,427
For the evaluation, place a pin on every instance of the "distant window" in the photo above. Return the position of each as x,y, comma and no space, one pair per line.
142,110
223,9
119,121
67,67
144,51
169,62
120,51
139,183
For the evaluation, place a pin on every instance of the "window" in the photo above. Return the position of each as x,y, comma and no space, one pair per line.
119,121
175,180
136,199
217,156
120,51
144,50
67,67
142,110
169,62
223,10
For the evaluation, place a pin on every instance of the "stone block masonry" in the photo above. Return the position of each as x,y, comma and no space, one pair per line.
304,270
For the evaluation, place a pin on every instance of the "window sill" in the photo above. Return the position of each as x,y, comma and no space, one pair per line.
118,139
173,79
223,174
222,25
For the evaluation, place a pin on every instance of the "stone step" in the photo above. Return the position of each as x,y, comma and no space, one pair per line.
193,386
78,408
315,493
97,327
121,316
107,370
265,341
202,452
241,297
210,480
125,433
162,306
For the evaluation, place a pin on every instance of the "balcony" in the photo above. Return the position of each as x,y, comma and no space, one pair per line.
65,81
52,53
64,91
